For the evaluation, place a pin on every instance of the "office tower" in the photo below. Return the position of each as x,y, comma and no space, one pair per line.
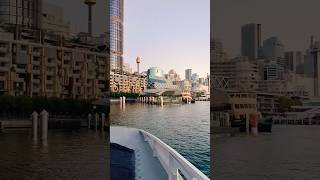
312,64
90,3
188,73
217,51
273,50
26,13
194,77
293,61
116,35
251,40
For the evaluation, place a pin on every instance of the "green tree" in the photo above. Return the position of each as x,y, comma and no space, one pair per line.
286,103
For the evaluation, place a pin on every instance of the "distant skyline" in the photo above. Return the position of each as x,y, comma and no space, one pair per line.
167,34
292,21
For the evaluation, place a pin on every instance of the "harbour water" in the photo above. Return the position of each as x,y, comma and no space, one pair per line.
183,127
77,154
289,152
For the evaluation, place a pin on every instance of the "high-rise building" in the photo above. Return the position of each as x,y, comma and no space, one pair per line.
273,50
188,74
293,61
116,35
194,77
26,13
217,51
172,75
312,65
251,40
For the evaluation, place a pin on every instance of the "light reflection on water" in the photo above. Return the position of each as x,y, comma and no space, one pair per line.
78,154
183,127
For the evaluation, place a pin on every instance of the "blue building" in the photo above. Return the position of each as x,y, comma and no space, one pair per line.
155,75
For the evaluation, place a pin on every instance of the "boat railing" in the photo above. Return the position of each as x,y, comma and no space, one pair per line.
176,166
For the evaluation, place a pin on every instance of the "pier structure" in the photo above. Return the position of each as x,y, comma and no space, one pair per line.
231,108
300,115
159,100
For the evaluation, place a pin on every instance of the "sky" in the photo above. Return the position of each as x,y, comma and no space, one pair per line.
76,12
170,34
293,21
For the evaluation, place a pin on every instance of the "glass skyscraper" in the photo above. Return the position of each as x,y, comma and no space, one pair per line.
116,35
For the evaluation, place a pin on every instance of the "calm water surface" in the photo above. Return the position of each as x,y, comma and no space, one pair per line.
289,152
79,154
183,127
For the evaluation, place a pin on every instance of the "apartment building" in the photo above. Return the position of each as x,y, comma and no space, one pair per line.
128,83
36,64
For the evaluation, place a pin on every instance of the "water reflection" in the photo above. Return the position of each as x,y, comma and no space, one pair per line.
79,154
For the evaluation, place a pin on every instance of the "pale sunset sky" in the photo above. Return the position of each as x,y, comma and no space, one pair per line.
170,34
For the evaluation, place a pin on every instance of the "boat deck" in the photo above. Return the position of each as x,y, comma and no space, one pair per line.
146,166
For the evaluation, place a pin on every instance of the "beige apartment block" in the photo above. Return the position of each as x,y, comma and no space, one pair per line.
127,83
51,68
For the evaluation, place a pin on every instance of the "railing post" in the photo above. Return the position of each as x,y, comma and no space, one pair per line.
89,120
34,117
44,127
96,123
103,117
1,126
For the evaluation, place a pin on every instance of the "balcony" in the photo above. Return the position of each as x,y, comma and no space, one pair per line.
37,63
50,82
51,64
36,81
50,72
35,71
3,49
21,70
36,53
4,69
101,86
36,89
5,59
